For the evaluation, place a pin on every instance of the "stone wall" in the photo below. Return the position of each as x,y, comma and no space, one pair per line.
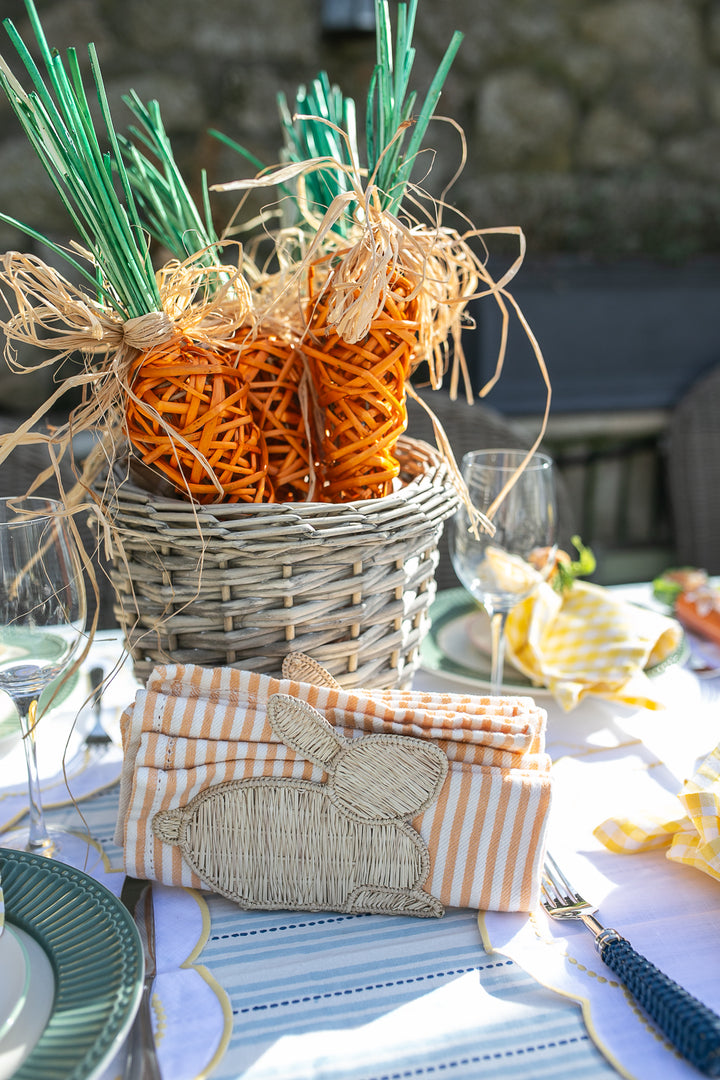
592,124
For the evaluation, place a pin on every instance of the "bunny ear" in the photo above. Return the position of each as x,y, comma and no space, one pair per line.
302,668
304,730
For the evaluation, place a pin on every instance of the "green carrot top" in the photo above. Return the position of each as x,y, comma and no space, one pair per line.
55,115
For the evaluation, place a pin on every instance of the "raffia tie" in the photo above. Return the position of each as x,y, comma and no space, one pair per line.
147,331
202,309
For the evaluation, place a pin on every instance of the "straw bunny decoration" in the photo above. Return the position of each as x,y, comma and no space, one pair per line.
344,844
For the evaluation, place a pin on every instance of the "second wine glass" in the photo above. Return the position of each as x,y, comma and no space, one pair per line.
42,621
503,567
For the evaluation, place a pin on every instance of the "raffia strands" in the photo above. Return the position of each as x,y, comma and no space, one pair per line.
378,249
201,305
274,369
47,312
188,417
360,389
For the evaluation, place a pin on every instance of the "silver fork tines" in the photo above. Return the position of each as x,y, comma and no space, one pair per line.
691,1027
561,900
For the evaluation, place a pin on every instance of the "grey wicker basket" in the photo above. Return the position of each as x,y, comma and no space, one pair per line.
242,585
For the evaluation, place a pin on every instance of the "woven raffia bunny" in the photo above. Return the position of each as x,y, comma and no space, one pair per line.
345,844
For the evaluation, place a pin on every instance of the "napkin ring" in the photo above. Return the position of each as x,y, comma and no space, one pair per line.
343,844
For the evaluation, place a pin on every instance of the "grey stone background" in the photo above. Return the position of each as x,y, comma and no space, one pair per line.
593,124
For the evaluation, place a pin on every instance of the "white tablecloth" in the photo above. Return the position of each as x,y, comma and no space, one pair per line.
274,994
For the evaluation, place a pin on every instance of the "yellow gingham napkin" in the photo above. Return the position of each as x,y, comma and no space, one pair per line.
693,839
589,641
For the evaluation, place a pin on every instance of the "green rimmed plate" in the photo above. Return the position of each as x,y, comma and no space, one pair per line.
96,954
450,648
454,647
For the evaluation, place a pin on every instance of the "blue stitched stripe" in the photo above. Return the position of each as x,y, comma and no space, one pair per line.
253,954
333,1002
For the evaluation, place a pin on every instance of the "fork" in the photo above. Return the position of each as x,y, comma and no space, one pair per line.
691,1027
97,736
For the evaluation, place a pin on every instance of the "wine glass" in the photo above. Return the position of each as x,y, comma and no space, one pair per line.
502,567
42,621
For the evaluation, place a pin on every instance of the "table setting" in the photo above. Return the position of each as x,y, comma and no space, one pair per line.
267,992
290,816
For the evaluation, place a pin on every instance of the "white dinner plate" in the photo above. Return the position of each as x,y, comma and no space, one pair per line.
32,1010
458,647
15,980
79,931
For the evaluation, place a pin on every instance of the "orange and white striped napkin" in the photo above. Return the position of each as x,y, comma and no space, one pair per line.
191,728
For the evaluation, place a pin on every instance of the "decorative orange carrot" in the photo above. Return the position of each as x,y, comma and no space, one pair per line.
188,417
360,389
274,370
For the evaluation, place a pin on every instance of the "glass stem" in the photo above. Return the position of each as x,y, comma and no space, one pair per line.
39,839
497,642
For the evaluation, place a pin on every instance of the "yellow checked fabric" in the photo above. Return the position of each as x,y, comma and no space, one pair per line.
694,839
589,641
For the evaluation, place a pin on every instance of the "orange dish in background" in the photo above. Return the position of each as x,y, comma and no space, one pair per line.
699,611
695,598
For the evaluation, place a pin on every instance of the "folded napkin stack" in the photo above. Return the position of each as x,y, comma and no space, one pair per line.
692,838
281,793
587,640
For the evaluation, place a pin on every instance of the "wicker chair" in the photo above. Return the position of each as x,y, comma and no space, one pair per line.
476,427
694,474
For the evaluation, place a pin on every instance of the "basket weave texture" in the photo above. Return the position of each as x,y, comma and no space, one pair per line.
243,585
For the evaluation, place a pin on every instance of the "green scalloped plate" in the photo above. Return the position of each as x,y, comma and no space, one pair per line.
95,951
449,649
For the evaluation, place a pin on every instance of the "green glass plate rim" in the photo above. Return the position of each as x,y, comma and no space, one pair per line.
97,959
451,604
448,605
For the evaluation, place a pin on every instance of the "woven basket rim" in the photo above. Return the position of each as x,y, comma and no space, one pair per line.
423,473
348,583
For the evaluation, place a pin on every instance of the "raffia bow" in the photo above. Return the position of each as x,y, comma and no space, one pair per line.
206,304
390,261
439,261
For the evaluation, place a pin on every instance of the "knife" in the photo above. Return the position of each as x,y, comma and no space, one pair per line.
142,1063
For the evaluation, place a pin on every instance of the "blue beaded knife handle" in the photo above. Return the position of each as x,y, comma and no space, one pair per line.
692,1028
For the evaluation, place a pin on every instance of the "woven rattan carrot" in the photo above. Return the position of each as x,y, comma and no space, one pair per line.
361,395
188,417
274,369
